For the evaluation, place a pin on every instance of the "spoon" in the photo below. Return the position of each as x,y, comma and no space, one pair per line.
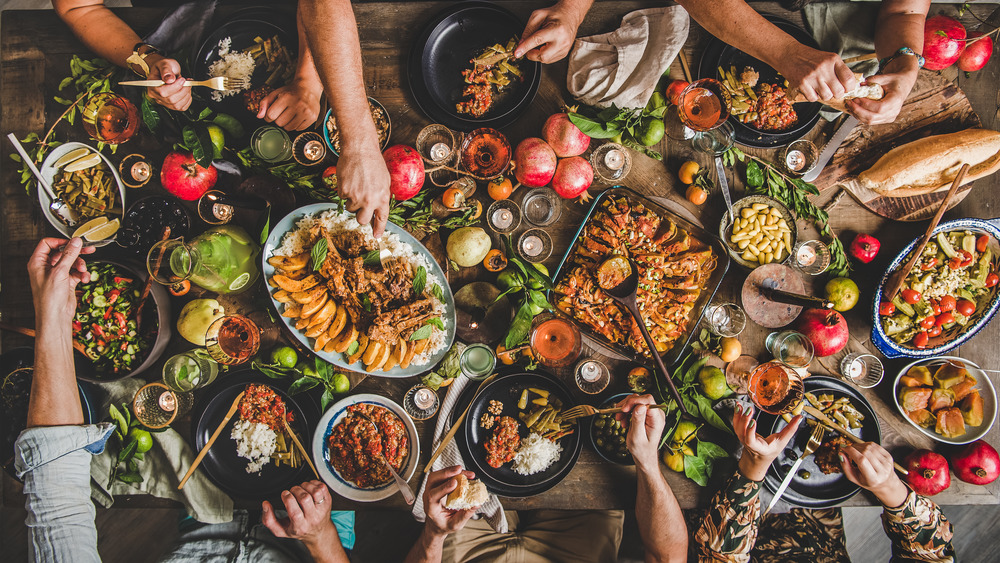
404,487
619,278
59,208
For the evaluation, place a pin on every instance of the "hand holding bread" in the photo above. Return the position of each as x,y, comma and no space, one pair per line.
451,498
863,90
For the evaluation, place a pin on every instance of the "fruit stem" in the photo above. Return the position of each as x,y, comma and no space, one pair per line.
980,472
928,473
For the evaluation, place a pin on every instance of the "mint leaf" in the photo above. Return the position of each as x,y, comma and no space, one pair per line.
436,321
318,253
419,281
372,258
421,333
436,291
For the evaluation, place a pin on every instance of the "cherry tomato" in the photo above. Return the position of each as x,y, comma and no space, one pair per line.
948,303
955,263
886,308
965,307
982,242
935,307
966,257
992,279
944,319
928,322
934,331
929,264
920,340
911,296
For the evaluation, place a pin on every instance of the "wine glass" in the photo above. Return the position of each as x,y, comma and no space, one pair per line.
110,118
774,387
555,340
704,105
231,340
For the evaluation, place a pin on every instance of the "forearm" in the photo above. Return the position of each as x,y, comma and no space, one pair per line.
661,523
327,548
900,24
305,69
54,399
576,9
427,549
742,27
730,528
98,28
918,530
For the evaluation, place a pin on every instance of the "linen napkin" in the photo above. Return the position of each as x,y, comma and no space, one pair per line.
492,510
623,67
161,468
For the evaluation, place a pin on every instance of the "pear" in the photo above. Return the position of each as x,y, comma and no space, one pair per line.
196,317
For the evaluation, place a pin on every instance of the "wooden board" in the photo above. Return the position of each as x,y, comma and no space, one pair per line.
935,106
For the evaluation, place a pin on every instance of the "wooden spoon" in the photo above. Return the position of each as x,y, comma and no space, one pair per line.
31,334
211,440
896,281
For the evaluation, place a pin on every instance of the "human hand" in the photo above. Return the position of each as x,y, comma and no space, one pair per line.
173,94
442,521
363,180
897,82
292,107
550,32
308,508
819,75
644,431
54,269
759,452
869,466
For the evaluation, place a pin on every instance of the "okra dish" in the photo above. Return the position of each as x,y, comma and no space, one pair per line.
105,321
954,278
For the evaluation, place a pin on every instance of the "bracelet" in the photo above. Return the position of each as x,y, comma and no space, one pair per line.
903,51
137,60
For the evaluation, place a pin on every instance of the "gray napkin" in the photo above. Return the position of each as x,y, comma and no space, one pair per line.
623,67
161,468
492,510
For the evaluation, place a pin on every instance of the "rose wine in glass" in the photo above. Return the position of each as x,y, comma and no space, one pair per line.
232,340
110,118
704,105
555,341
774,387
485,153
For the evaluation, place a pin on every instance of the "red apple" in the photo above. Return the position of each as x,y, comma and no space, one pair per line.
182,177
977,53
943,42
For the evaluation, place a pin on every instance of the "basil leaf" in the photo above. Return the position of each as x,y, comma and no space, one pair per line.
302,384
421,333
372,259
436,321
318,253
755,176
419,281
436,291
519,327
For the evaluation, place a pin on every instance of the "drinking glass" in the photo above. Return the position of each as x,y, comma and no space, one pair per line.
611,162
704,105
232,340
155,405
110,118
485,153
738,372
271,144
534,245
592,376
436,143
715,141
503,216
420,402
790,348
541,207
774,387
190,370
477,361
863,370
725,319
555,340
221,259
810,257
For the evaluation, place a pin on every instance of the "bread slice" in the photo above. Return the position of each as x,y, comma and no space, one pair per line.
870,91
930,164
468,494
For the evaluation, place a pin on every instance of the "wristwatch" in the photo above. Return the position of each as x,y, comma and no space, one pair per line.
903,51
137,60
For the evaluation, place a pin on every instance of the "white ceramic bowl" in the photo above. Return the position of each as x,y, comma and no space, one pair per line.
321,454
48,172
983,384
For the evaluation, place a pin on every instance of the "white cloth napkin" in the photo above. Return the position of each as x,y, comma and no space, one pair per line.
623,67
491,510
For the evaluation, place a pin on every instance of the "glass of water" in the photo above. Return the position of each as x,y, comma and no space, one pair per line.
790,348
190,370
725,319
541,207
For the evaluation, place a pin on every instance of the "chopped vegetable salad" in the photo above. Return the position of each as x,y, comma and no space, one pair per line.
105,320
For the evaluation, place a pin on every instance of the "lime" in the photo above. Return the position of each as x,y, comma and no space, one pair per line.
218,140
843,292
651,133
685,432
657,100
143,440
713,383
240,281
284,356
230,124
340,383
510,279
532,282
71,156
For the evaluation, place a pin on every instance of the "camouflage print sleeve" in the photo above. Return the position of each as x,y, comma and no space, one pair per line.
729,530
919,531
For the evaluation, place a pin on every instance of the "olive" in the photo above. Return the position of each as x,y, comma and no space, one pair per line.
599,423
803,473
599,442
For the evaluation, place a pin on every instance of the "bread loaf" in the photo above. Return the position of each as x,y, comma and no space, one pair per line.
468,494
870,91
931,164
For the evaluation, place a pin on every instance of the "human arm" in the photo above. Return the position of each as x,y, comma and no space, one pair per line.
661,523
918,529
900,24
295,106
308,520
819,75
550,32
362,176
440,520
108,36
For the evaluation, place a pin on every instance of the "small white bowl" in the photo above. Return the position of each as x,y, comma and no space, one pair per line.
983,384
48,172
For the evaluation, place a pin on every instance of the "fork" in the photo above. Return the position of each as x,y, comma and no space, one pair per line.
815,439
217,83
404,487
581,411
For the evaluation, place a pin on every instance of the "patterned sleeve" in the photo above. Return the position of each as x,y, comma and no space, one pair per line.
919,531
729,530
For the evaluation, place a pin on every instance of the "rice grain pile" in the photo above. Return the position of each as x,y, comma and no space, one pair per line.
255,442
536,454
232,64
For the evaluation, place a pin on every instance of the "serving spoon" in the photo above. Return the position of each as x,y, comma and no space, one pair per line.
623,292
59,208
404,487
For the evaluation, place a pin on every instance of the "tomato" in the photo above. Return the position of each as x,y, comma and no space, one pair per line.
920,340
982,242
948,303
965,307
928,322
992,279
945,319
330,176
934,331
963,259
935,307
886,308
911,296
929,264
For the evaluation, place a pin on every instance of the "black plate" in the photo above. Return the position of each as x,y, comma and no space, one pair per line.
443,50
589,429
820,490
242,31
471,438
718,53
228,470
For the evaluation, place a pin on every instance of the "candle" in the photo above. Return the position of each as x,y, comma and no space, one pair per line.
614,159
440,151
502,219
167,401
141,171
222,211
590,371
313,150
531,245
805,256
423,398
856,369
795,160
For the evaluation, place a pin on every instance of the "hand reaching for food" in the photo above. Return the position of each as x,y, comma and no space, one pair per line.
896,86
759,452
645,428
54,270
870,466
363,180
308,520
173,94
549,34
819,75
293,107
441,520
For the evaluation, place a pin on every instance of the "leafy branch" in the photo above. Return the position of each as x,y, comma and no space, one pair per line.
305,378
627,126
126,467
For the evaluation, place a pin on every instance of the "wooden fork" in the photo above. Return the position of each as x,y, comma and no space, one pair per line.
581,411
217,83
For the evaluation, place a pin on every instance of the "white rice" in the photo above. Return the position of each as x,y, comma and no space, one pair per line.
231,65
536,454
256,442
298,240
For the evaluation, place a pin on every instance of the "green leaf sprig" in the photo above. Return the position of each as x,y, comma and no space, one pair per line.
306,378
532,300
618,123
126,467
318,253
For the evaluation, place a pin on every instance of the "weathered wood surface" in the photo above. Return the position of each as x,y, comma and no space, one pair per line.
33,58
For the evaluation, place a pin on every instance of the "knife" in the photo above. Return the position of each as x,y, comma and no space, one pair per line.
831,147
784,485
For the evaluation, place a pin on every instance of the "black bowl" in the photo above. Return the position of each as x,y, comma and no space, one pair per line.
589,428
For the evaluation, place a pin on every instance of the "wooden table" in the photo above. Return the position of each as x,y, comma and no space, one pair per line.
34,54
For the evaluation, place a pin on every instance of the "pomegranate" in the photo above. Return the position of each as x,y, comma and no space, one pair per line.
976,463
183,178
573,176
943,42
565,138
406,171
977,53
827,330
864,248
928,472
534,162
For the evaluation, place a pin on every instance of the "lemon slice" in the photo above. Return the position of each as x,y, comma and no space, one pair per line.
83,163
85,228
104,231
71,156
239,282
